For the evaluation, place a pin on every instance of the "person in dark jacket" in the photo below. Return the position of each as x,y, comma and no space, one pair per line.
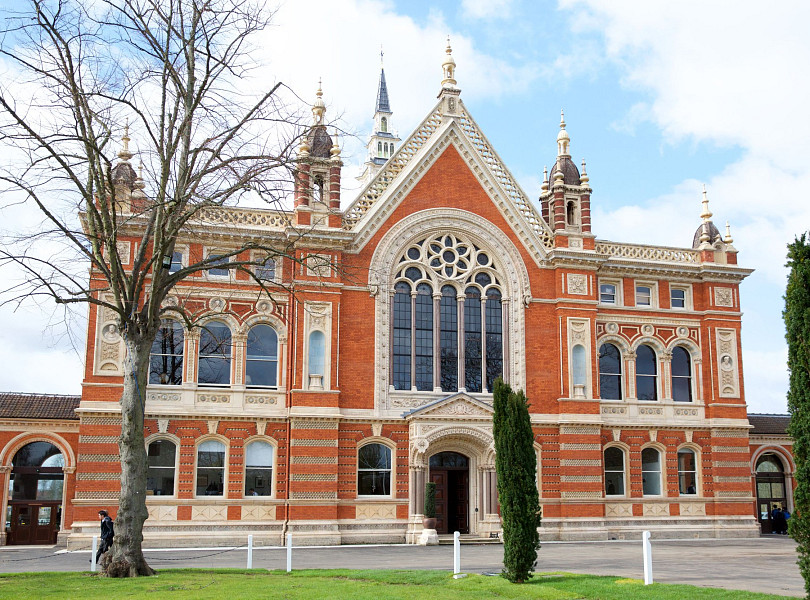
107,534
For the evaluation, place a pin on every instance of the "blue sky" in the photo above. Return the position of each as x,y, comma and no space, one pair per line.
659,98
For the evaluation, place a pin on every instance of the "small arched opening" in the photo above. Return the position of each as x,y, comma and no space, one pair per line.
36,490
771,491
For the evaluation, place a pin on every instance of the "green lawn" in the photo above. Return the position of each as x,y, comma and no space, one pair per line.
235,584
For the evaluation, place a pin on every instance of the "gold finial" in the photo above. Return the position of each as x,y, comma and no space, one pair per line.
449,67
125,154
319,107
706,215
335,150
544,186
583,178
728,239
563,141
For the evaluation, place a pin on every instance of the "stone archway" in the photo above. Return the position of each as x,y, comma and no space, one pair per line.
36,494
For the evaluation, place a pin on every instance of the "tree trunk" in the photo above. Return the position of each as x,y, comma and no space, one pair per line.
125,559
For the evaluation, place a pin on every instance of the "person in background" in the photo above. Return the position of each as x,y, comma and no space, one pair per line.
107,533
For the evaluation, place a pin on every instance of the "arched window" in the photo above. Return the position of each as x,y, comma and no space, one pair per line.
379,149
36,473
215,354
448,339
610,372
261,368
651,472
423,330
161,458
571,213
166,357
578,369
384,125
681,375
258,469
687,472
317,188
614,471
317,359
210,468
402,337
428,267
472,340
646,374
374,470
494,333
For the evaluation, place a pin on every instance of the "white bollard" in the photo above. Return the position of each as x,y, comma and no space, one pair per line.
289,552
250,552
456,553
93,554
647,548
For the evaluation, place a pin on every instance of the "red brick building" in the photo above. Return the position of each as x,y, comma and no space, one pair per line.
322,411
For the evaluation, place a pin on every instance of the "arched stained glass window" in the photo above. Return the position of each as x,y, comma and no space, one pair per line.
427,317
646,374
610,372
681,375
448,339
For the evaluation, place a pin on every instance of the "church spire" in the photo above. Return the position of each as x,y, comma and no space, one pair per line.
382,90
383,141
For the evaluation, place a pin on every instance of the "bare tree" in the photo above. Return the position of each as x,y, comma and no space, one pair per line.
174,70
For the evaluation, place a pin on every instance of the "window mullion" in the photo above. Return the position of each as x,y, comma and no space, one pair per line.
462,382
437,352
483,342
413,339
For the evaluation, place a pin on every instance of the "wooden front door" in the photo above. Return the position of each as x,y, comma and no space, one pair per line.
450,472
35,523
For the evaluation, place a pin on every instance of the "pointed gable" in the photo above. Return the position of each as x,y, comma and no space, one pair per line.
455,406
420,152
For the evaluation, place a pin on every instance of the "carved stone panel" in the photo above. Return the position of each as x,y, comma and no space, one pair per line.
577,284
723,297
727,369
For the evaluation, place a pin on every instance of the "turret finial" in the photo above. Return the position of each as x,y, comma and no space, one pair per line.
449,67
563,141
728,239
583,178
319,107
544,186
125,154
706,215
335,150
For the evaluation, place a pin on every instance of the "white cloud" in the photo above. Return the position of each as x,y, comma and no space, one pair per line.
726,75
486,9
340,42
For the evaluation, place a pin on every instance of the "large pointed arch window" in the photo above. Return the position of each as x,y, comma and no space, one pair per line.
448,314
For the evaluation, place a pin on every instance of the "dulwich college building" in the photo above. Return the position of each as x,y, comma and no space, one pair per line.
325,411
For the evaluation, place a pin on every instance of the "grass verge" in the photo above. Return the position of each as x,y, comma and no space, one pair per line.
236,584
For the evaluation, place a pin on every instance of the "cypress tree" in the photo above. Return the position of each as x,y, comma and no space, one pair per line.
797,327
516,466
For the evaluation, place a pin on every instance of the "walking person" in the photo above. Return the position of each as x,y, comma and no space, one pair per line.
107,534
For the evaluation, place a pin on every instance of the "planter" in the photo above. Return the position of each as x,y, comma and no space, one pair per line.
429,523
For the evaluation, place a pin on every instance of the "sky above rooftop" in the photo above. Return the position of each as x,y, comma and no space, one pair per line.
659,98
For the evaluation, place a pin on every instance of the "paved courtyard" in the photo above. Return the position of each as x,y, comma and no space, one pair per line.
767,564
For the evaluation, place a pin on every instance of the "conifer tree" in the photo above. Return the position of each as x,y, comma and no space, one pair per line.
797,325
516,465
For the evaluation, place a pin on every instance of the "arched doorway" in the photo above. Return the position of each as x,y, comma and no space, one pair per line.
450,471
35,505
770,489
